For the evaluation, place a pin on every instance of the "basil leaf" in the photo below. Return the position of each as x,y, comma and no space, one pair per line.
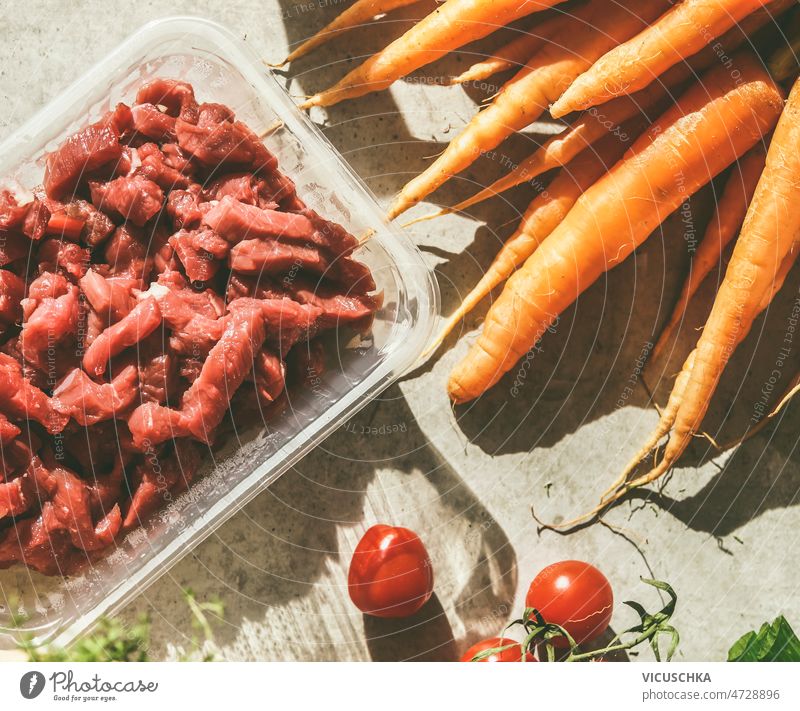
774,642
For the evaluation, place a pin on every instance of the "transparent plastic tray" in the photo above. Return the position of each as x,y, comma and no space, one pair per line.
222,69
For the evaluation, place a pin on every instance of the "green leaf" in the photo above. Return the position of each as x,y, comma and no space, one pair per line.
774,642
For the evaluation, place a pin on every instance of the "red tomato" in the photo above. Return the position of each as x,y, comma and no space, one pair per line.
576,596
513,654
391,573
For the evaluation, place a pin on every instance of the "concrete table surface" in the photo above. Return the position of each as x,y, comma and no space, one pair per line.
723,529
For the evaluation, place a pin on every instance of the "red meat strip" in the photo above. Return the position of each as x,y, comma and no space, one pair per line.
83,152
154,167
158,478
8,430
287,321
355,275
236,221
13,247
39,544
183,206
71,501
224,143
329,234
193,317
239,186
175,157
12,289
150,121
128,255
50,317
190,301
270,375
97,225
260,287
206,402
307,363
12,214
30,219
98,448
21,400
336,308
199,251
157,371
143,319
89,402
111,298
16,496
134,198
176,96
258,256
56,255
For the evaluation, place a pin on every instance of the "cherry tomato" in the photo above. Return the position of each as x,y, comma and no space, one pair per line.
576,596
512,654
391,573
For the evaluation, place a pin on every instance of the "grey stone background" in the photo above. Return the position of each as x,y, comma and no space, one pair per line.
723,529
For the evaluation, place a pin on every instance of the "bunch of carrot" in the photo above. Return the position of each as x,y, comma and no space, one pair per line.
632,154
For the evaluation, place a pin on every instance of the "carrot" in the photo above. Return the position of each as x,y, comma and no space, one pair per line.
543,215
587,34
453,24
767,247
514,54
686,29
725,223
712,124
563,147
594,123
359,13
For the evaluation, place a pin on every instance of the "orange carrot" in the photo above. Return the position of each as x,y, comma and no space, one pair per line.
767,247
587,34
563,147
687,28
712,124
450,26
724,226
514,54
543,215
595,122
359,13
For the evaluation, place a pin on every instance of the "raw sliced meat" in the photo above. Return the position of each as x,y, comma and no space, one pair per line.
20,400
236,221
62,257
89,402
84,151
14,247
133,198
143,319
176,96
224,143
50,317
206,402
111,297
183,206
12,289
154,167
153,123
157,480
258,256
199,252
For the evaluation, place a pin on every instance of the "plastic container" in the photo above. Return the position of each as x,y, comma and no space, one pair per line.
222,69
